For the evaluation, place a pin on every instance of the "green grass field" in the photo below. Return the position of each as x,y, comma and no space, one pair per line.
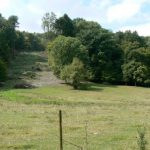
111,114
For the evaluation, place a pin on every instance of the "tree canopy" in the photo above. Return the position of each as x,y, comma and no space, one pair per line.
62,51
118,58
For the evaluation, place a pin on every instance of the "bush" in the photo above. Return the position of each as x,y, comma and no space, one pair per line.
73,73
3,71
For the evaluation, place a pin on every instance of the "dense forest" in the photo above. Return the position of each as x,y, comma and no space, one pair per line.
80,50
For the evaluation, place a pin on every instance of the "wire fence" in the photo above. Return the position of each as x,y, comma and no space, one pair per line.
82,129
88,133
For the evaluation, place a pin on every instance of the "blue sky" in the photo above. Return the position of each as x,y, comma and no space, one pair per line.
111,14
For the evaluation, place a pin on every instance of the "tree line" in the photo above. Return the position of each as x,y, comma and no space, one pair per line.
84,50
13,41
80,50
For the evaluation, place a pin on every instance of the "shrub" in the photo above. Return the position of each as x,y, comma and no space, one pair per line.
73,73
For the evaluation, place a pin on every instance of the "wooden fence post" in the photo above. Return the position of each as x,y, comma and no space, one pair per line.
60,130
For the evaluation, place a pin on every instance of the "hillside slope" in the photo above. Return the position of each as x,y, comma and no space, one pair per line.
31,68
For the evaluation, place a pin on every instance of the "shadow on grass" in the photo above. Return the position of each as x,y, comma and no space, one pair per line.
21,147
91,86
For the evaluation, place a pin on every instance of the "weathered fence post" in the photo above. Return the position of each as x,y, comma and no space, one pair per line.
60,130
86,134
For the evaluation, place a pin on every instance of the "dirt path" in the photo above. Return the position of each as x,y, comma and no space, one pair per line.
45,78
31,68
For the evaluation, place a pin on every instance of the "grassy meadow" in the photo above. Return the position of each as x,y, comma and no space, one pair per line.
102,117
99,117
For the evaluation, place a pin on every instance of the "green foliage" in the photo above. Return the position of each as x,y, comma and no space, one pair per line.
28,41
20,41
136,58
48,22
141,139
48,25
135,73
136,68
117,58
3,71
64,26
11,33
32,42
129,70
140,75
62,51
73,73
5,48
147,39
104,54
129,37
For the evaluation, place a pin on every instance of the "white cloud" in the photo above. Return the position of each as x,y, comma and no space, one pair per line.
124,10
142,29
109,13
35,10
93,11
4,4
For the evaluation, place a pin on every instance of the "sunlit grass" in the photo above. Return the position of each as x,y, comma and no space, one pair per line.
29,118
